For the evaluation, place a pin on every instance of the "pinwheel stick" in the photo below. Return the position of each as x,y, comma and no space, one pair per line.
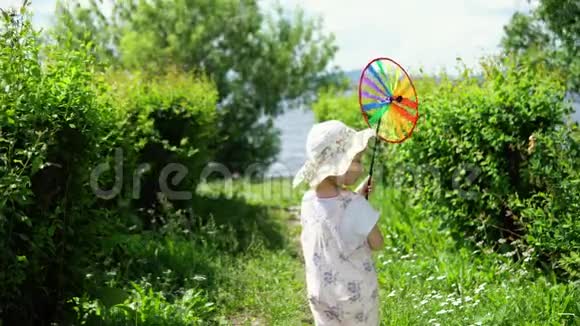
373,157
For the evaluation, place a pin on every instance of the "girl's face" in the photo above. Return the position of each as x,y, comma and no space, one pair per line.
354,171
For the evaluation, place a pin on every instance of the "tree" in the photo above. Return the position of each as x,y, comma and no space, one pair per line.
561,16
524,33
549,34
259,61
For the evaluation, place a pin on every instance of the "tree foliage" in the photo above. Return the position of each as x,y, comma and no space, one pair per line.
259,60
549,34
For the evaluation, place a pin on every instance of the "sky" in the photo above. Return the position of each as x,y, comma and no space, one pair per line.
428,34
424,34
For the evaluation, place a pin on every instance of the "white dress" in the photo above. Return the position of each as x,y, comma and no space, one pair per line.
340,275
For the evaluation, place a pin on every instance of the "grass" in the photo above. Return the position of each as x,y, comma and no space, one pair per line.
425,277
242,266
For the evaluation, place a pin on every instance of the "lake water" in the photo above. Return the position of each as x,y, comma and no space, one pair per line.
294,126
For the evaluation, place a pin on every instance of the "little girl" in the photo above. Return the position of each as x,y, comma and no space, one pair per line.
338,228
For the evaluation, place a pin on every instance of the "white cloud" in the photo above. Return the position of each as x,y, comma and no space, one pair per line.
431,34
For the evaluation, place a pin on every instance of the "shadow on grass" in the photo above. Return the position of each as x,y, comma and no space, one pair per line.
245,224
191,250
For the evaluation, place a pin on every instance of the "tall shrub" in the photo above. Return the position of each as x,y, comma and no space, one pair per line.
493,159
50,125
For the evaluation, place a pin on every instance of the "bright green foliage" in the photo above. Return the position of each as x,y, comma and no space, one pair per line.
50,127
145,306
329,105
161,120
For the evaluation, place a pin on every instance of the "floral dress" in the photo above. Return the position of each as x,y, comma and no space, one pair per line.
340,275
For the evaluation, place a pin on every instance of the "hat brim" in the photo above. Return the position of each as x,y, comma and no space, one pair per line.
314,173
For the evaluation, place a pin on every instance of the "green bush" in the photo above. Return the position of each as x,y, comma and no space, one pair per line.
493,159
162,120
60,120
51,123
345,108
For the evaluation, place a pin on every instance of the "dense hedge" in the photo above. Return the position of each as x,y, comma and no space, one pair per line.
161,120
59,121
50,127
492,159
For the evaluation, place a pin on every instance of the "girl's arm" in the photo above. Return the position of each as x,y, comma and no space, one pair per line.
375,239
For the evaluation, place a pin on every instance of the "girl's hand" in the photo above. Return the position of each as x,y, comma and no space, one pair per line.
367,188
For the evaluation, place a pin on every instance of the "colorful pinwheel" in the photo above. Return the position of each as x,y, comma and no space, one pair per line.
388,102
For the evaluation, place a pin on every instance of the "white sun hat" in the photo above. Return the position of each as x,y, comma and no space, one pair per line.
330,148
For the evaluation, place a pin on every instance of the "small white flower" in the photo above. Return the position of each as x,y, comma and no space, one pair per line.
441,312
502,240
199,278
423,302
480,288
430,278
509,253
441,277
